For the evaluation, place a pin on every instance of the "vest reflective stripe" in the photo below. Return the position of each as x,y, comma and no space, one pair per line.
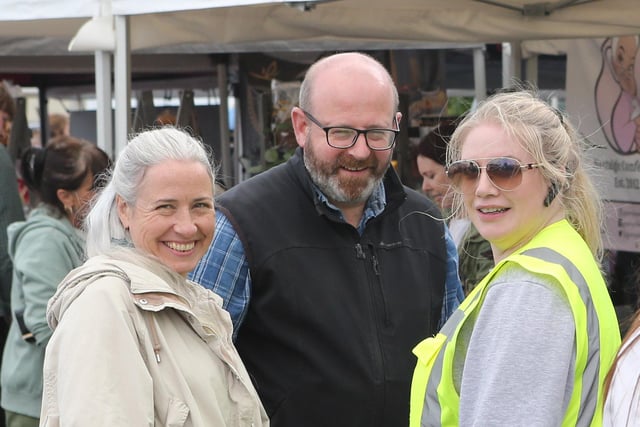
591,370
440,396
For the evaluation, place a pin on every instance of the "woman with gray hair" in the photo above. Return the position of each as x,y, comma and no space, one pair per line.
135,343
532,343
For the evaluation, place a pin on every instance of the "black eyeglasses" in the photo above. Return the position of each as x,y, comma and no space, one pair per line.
504,172
345,137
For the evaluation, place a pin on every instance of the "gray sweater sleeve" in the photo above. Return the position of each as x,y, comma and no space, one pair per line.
519,363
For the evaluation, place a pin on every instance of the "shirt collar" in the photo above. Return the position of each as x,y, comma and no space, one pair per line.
375,205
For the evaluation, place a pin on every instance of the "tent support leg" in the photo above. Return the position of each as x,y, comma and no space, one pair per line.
122,77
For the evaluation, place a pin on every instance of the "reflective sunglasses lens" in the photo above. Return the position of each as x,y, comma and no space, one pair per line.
463,173
505,173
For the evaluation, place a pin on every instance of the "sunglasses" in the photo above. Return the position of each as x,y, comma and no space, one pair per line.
503,172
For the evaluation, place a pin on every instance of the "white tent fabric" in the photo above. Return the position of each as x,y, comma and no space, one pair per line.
378,21
39,26
128,7
242,25
35,10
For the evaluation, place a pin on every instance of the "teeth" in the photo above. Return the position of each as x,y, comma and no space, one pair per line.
492,210
182,247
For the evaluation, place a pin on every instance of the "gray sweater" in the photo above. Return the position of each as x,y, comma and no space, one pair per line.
520,352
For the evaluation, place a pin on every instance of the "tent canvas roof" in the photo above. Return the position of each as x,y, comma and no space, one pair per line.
255,25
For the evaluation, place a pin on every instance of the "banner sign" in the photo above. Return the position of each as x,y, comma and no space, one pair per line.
603,78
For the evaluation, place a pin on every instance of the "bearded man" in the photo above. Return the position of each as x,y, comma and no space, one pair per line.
331,269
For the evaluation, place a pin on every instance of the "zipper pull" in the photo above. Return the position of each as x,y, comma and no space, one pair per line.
359,252
376,266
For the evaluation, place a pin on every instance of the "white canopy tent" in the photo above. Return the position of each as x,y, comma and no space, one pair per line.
115,28
240,25
237,25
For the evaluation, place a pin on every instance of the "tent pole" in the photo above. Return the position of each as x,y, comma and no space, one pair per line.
225,155
511,63
122,78
531,69
104,126
43,103
479,74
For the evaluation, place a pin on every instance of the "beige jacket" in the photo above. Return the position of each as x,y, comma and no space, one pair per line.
135,344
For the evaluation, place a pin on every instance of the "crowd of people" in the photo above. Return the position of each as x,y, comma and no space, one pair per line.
323,291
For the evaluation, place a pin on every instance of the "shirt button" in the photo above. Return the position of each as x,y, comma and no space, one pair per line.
143,301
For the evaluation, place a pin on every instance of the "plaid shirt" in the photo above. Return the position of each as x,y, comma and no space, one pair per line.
224,268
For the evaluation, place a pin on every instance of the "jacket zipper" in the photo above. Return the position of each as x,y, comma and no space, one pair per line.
376,271
381,321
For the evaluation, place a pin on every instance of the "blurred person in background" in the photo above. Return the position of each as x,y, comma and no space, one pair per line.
11,210
474,251
44,248
59,124
12,119
7,111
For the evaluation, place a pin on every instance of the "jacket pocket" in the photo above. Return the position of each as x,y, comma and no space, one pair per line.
177,413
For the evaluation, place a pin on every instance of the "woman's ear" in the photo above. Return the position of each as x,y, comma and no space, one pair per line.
67,199
123,211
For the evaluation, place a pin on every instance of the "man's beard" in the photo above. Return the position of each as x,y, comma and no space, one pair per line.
344,190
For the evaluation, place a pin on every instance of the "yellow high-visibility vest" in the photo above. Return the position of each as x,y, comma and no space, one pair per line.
557,251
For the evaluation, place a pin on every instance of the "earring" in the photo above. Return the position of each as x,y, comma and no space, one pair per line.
69,209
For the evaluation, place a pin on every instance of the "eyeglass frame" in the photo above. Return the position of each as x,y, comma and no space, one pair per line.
523,167
359,132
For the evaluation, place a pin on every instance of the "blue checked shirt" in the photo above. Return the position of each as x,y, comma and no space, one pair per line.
224,268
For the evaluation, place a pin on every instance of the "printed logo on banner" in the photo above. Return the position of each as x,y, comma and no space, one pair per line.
603,77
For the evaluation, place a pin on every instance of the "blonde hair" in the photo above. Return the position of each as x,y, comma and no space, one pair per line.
547,135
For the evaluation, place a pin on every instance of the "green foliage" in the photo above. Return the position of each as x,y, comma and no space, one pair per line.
458,105
273,156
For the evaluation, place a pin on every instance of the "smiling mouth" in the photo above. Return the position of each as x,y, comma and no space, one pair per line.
354,169
492,210
180,247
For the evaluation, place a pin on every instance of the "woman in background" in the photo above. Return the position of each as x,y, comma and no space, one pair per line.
474,252
44,248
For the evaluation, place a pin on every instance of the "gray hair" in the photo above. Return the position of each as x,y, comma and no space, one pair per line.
148,148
